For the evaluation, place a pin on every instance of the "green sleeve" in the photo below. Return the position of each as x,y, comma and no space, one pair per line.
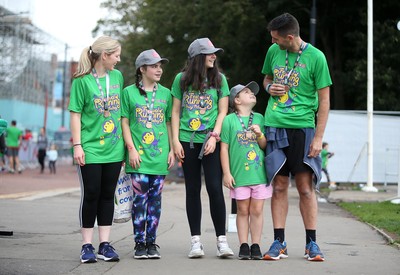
77,96
176,87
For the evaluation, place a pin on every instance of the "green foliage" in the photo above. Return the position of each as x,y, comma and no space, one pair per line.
239,27
383,215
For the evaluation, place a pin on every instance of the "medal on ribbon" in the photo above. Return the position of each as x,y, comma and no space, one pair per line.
104,99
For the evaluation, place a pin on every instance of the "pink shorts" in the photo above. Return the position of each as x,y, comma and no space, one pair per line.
259,192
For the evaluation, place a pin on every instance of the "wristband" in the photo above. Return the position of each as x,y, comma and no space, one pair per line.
260,137
216,135
77,144
268,87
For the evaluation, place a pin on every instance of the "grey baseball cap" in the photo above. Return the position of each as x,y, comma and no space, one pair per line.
202,46
149,57
253,86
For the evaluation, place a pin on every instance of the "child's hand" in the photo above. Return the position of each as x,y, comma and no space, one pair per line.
256,130
228,181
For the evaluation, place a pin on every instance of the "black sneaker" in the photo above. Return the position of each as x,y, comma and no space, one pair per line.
140,251
255,252
152,251
244,252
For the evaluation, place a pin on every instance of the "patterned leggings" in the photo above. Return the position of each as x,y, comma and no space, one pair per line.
146,208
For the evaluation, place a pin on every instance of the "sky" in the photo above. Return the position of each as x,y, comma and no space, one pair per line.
70,21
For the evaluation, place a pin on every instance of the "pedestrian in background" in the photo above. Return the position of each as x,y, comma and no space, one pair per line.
13,142
97,141
242,157
3,147
42,144
146,127
52,155
326,155
200,103
297,79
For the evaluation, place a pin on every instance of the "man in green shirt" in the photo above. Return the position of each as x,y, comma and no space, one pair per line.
297,79
13,141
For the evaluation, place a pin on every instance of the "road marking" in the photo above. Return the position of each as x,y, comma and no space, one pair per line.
35,195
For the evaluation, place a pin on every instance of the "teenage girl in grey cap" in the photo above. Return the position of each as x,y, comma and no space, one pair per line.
146,113
200,103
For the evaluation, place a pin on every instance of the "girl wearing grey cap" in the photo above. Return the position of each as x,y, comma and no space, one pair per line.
242,158
146,113
200,104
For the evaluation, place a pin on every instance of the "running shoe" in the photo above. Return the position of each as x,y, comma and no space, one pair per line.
196,250
223,249
107,252
140,251
277,251
152,251
244,252
313,253
87,254
255,252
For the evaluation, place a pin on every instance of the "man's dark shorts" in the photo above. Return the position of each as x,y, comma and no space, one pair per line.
294,154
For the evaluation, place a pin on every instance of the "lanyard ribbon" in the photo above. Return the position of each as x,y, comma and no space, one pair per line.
287,76
150,106
242,123
103,99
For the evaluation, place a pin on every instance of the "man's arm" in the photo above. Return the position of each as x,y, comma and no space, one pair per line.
323,111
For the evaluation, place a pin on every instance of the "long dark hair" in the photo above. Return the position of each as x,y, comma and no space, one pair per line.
195,73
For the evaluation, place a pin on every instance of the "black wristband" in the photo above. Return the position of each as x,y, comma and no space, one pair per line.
267,87
77,144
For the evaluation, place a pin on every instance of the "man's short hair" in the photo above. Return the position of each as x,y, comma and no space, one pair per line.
285,24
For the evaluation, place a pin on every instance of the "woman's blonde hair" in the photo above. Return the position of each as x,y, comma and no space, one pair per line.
91,54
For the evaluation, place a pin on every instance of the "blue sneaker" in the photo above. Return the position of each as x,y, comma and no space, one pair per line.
313,253
277,251
87,254
107,253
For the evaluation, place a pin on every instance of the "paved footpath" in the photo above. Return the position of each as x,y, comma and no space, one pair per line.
42,212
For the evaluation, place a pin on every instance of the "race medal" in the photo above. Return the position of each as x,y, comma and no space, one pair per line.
202,111
148,125
106,113
249,135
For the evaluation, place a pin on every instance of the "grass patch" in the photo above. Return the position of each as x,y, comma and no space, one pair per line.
383,215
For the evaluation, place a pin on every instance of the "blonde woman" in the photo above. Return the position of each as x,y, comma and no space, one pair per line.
97,141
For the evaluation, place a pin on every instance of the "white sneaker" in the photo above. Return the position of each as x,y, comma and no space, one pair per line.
223,249
332,186
197,248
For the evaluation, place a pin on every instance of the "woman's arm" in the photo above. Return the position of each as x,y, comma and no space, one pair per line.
75,123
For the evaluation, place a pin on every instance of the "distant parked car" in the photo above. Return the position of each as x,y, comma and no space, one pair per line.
62,139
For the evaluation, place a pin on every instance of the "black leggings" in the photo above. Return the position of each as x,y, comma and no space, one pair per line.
41,156
213,179
98,182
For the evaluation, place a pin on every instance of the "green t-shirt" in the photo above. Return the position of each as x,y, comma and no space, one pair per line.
296,109
193,118
101,137
12,136
3,126
151,143
324,157
246,158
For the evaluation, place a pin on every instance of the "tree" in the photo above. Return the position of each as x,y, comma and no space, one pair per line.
239,27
